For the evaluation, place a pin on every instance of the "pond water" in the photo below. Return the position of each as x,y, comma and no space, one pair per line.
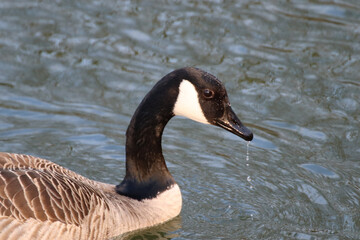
73,73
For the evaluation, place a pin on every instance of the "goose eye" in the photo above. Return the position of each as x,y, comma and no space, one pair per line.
208,93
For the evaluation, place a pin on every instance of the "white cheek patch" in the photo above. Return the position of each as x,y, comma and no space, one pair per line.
187,103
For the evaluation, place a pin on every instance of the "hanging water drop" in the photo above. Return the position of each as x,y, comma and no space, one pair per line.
247,150
247,164
247,153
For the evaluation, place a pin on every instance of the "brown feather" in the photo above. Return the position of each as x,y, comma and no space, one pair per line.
42,200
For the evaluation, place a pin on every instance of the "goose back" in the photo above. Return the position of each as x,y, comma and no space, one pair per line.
42,200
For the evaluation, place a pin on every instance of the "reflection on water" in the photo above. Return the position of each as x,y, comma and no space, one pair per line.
165,231
73,72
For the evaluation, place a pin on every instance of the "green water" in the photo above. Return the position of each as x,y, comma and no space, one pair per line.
73,72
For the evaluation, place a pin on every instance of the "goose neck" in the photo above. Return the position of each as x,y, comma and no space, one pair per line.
146,170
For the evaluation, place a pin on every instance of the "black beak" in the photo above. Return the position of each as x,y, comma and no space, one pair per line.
233,124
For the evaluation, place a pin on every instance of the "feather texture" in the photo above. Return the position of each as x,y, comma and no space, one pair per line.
42,200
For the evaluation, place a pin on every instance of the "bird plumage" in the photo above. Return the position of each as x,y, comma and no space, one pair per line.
42,200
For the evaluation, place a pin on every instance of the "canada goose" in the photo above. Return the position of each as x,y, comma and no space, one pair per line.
42,200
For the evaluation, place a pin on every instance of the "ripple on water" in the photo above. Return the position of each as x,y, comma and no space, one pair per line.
317,169
310,133
261,142
313,194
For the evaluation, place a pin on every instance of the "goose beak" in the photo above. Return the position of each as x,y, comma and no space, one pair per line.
233,124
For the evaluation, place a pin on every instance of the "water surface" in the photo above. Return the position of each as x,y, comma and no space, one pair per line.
73,72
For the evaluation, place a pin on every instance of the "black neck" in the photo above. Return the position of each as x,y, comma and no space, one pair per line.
146,171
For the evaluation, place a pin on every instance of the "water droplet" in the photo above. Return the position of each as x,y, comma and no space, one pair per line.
247,163
248,179
247,150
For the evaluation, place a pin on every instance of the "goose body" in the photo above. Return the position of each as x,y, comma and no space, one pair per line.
42,200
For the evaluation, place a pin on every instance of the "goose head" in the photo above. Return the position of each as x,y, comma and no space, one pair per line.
203,98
